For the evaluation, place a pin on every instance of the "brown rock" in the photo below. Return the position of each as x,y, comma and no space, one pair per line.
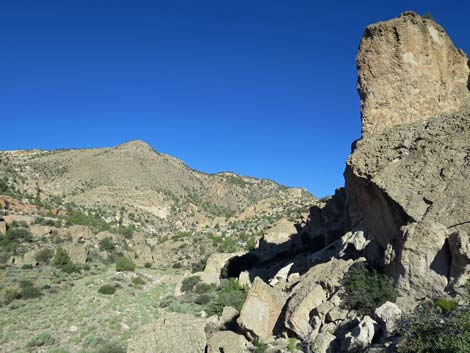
409,70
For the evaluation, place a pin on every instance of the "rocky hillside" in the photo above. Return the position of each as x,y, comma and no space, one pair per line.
383,265
138,185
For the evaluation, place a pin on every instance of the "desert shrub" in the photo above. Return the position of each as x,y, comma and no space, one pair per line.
366,289
27,267
61,257
112,347
201,288
138,281
445,304
202,299
148,265
189,282
107,289
260,347
70,268
28,290
125,264
106,244
431,329
3,186
230,293
9,295
292,344
177,265
18,234
199,265
43,256
43,339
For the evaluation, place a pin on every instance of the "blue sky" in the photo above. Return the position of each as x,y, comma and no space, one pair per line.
264,88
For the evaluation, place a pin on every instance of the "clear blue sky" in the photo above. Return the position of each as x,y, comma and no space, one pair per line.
264,88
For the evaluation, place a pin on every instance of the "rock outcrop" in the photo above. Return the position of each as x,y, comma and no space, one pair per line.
409,70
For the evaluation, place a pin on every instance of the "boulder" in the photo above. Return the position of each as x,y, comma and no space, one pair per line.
459,246
261,310
423,262
3,227
227,342
214,265
281,275
323,342
409,70
314,287
360,336
77,232
172,332
78,253
388,315
39,231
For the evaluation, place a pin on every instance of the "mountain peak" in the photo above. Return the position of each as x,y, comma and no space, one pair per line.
136,146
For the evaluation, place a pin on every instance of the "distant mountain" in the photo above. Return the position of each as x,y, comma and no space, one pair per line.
141,186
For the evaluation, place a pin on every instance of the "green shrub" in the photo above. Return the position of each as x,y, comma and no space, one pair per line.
292,344
148,265
446,305
138,281
9,295
61,257
260,347
201,288
366,289
43,256
18,234
189,282
203,299
43,339
125,264
112,347
107,244
430,329
230,293
70,268
177,265
28,290
107,289
27,267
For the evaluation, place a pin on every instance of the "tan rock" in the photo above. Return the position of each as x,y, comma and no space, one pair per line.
172,332
78,253
389,315
261,310
318,284
227,342
214,266
3,227
424,264
409,70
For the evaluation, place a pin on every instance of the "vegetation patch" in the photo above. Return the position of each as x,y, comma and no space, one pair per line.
432,329
125,264
365,289
43,339
107,289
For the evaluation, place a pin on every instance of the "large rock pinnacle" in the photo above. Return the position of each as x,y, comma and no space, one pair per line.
409,70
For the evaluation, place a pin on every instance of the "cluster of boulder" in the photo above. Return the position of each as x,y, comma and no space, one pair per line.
404,210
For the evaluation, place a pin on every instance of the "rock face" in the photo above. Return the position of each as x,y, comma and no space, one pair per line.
409,70
415,176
